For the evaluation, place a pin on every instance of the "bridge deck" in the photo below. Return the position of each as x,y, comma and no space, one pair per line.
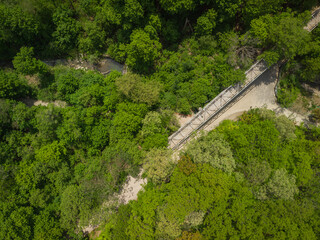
219,103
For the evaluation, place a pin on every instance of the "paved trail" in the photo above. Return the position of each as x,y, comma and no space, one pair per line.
261,94
258,91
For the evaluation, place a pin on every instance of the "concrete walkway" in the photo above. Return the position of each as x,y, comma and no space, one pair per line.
216,106
260,94
234,100
313,23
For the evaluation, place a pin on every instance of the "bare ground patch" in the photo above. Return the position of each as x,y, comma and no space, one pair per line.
183,119
307,100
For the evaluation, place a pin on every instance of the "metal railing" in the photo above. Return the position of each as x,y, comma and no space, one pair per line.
315,19
215,105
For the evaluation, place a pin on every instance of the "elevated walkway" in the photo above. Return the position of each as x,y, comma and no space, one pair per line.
227,98
216,106
315,19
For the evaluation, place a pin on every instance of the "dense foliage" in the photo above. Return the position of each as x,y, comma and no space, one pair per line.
62,163
257,178
136,31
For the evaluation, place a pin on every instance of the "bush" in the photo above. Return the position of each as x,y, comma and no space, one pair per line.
183,106
315,115
286,97
289,90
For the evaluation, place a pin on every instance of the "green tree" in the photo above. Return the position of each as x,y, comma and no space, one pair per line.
67,83
116,228
69,207
47,121
187,194
69,131
142,51
153,132
167,228
315,115
284,125
13,86
190,236
282,185
66,32
152,123
206,23
143,218
234,216
256,172
212,149
17,28
124,125
89,96
93,38
16,224
5,115
156,140
47,226
254,9
25,63
51,166
22,117
127,121
194,219
99,134
311,69
139,91
158,165
227,10
286,219
186,165
284,31
126,12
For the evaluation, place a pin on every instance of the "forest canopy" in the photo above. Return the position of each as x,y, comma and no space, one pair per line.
238,181
70,137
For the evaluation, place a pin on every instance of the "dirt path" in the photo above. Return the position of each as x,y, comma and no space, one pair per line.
131,188
33,102
182,119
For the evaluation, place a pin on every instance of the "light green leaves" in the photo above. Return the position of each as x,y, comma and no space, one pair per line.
212,149
158,164
135,88
284,31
